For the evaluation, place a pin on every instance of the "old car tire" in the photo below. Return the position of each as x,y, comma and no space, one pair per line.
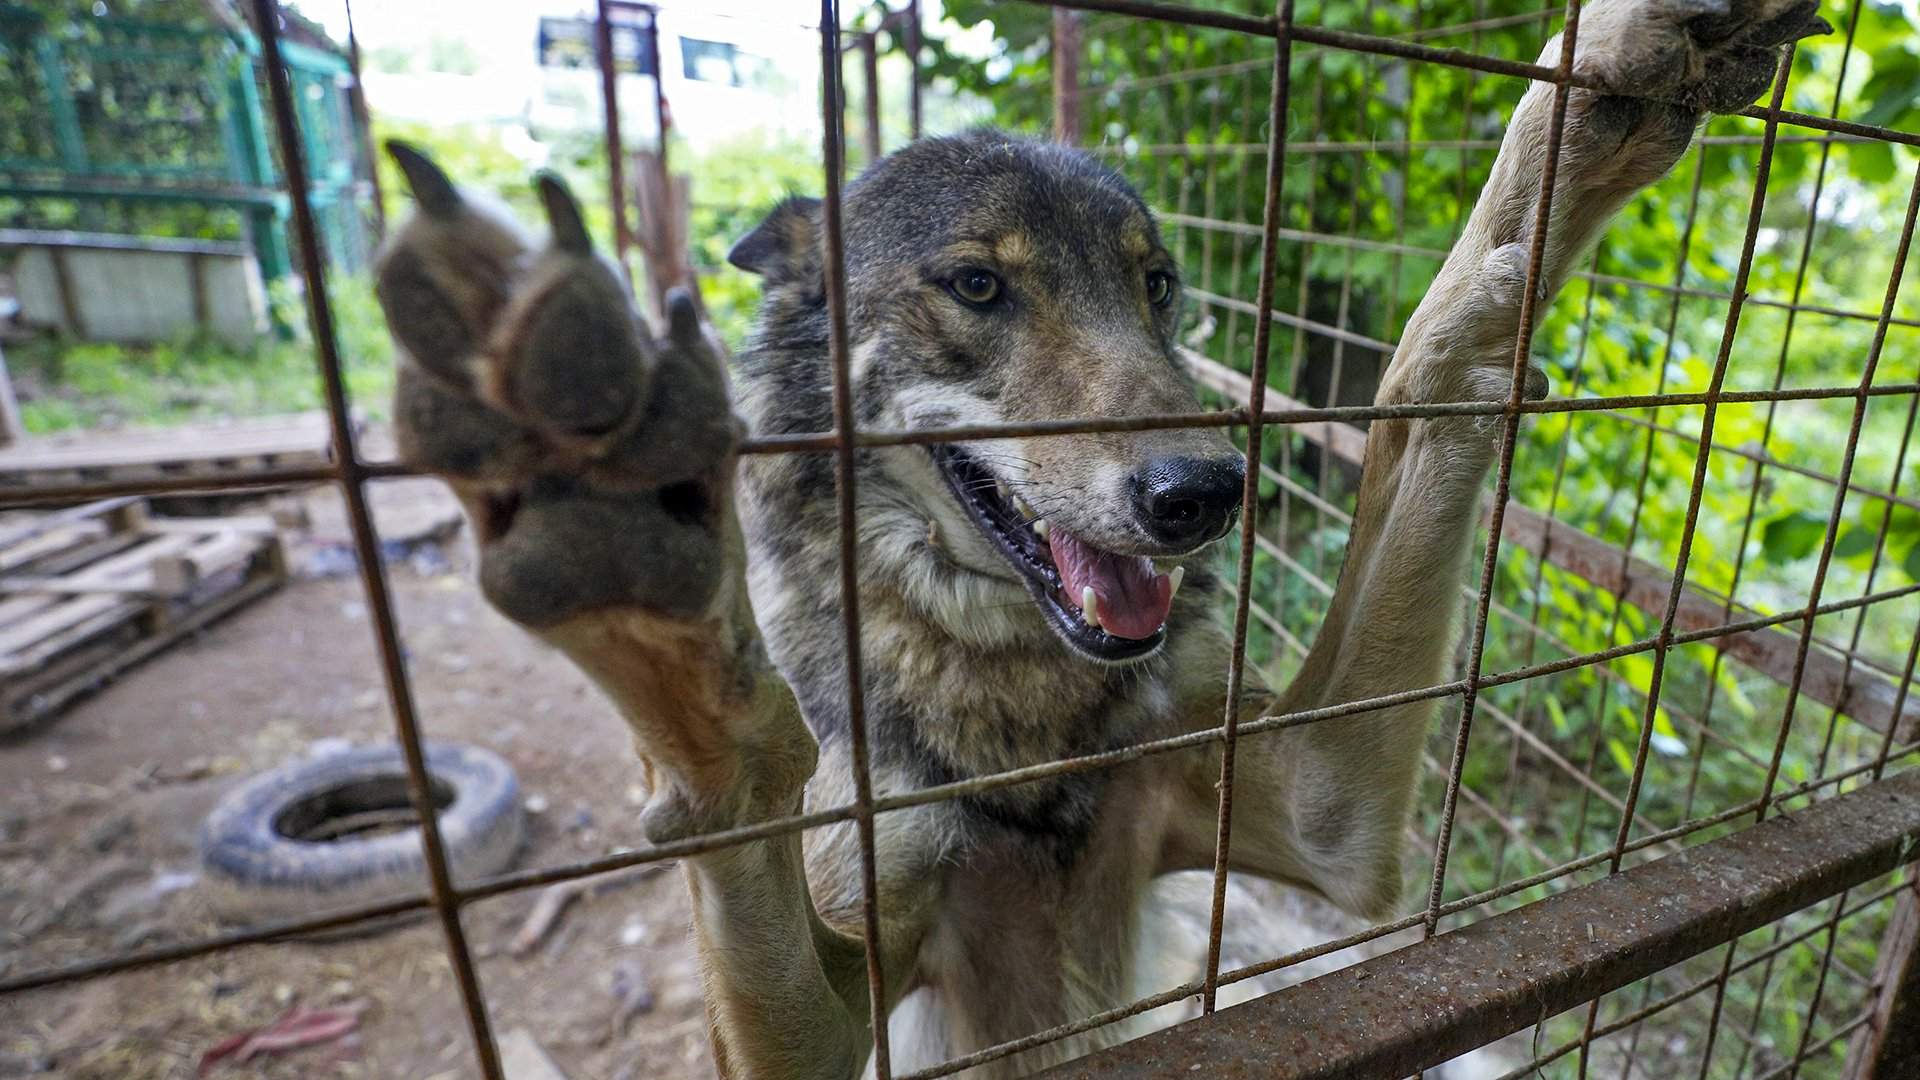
266,855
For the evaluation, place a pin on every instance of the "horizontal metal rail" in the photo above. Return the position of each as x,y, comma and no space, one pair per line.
1508,972
1374,45
12,496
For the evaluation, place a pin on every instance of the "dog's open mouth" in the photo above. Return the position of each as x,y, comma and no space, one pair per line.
1109,606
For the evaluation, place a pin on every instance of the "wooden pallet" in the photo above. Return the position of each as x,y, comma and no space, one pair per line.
301,440
88,592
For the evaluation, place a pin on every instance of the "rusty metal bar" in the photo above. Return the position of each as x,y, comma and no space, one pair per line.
1503,479
1820,572
833,152
534,878
1394,247
616,147
826,442
1066,76
366,543
1383,46
1360,146
1692,990
1249,500
1513,970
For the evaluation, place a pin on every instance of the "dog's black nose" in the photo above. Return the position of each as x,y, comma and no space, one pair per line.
1188,501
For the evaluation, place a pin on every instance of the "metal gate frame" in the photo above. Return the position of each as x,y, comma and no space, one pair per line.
1842,841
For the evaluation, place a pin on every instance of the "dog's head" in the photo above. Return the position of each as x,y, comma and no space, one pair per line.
992,280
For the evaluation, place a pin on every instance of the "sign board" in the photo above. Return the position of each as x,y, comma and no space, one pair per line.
569,43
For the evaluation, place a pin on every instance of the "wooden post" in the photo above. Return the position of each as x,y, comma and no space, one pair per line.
610,104
362,119
10,430
870,62
660,119
912,39
1888,1048
1066,76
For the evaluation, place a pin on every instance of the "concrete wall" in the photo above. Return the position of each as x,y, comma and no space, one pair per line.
135,289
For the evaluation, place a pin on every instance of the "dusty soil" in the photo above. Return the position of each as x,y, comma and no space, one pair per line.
99,810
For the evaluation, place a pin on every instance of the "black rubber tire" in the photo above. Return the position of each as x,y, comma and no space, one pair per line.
254,871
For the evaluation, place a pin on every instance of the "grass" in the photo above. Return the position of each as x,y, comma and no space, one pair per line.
66,385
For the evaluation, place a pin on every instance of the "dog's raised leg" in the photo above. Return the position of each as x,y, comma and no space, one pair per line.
597,465
1325,805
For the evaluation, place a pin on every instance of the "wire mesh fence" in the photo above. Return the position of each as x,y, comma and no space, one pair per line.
1715,632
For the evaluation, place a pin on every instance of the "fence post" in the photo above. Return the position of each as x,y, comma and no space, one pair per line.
1066,76
1888,1048
870,64
912,39
362,119
11,430
610,105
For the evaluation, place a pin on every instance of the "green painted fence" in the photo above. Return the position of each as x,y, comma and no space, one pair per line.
130,114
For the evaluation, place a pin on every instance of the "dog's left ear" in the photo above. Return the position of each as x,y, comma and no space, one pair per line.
786,246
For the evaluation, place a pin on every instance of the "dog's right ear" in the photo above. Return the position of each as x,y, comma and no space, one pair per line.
784,247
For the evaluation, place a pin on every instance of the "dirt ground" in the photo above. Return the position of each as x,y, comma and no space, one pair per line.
99,811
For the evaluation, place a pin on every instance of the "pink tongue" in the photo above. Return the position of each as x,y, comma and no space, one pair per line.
1134,600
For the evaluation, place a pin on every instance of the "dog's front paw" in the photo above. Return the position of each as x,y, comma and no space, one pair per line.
594,461
1660,64
1706,55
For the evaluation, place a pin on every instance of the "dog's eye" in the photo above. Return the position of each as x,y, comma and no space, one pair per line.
1159,288
976,287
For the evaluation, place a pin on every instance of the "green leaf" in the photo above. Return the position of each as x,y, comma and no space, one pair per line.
1794,536
1872,162
1622,756
1854,541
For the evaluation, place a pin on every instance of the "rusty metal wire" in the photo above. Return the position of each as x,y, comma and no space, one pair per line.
1249,504
444,897
844,459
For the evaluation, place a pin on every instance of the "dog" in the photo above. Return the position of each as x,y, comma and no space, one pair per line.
1021,598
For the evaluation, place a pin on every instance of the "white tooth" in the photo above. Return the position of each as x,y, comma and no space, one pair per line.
1001,487
1179,573
1090,606
1040,527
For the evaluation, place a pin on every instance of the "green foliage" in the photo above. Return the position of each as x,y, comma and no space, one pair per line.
1371,210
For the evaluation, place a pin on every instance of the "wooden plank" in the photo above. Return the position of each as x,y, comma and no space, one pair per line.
1861,694
78,621
14,608
175,575
1888,1048
30,523
54,698
49,543
302,440
251,524
1826,678
128,572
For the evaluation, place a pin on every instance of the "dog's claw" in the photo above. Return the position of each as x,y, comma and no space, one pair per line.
563,215
430,186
